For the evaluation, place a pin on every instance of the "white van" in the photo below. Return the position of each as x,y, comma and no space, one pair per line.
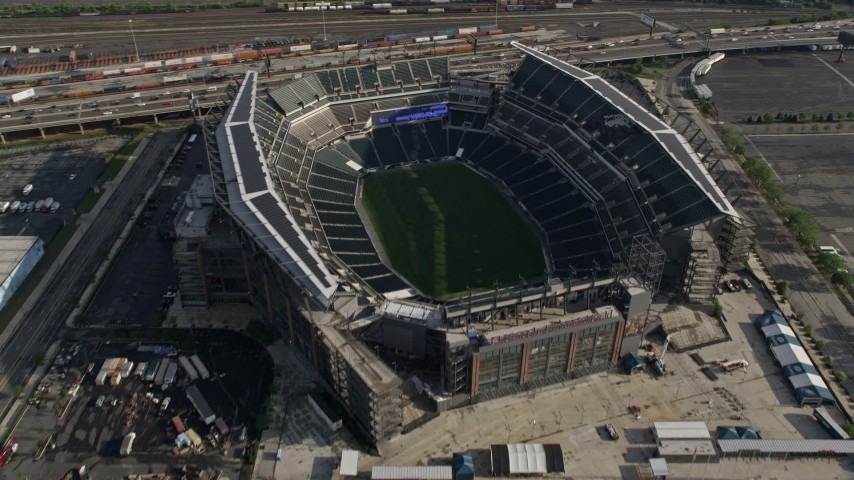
746,283
27,189
16,205
828,249
4,206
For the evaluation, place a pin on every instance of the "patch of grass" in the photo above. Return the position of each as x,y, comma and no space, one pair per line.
445,228
89,201
114,166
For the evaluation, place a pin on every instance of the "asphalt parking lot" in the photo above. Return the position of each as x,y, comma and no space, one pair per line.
132,291
812,160
50,172
90,432
786,82
815,172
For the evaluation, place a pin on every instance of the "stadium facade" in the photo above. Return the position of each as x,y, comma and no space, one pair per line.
601,179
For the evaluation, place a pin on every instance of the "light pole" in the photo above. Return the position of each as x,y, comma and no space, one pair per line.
496,13
533,424
323,17
135,47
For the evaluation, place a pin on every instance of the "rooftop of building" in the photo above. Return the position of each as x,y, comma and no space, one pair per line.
13,249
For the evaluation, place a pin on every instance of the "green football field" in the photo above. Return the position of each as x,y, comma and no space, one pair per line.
445,228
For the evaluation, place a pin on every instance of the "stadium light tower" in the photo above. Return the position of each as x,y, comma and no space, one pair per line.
496,13
323,17
135,47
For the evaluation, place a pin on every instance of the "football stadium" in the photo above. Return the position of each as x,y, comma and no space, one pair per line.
421,236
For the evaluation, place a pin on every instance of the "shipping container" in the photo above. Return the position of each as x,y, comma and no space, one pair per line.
422,39
496,31
398,37
221,56
435,10
299,48
169,376
397,11
467,30
437,38
174,79
173,61
178,424
109,73
529,28
487,27
200,367
451,32
185,363
132,71
156,64
381,5
127,369
272,52
151,371
95,76
191,60
347,44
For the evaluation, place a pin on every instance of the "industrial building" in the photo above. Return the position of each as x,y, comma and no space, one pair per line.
18,257
608,184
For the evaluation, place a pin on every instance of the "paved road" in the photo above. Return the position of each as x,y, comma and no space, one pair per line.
44,321
172,99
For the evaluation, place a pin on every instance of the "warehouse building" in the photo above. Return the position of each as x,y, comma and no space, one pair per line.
18,257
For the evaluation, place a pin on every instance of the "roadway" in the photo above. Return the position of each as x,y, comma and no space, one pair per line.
173,99
44,321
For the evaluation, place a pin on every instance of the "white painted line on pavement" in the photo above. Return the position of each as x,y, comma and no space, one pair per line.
834,70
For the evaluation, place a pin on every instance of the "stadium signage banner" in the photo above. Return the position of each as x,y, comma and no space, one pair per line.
552,328
409,114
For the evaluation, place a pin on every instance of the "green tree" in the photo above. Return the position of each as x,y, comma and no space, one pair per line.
802,116
828,360
779,117
750,119
767,118
783,287
802,225
18,390
841,278
829,263
759,172
850,116
733,141
840,376
819,345
829,117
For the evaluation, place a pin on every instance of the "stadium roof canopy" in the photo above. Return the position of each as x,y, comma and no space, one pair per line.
526,459
254,202
685,166
681,431
814,447
421,472
771,317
